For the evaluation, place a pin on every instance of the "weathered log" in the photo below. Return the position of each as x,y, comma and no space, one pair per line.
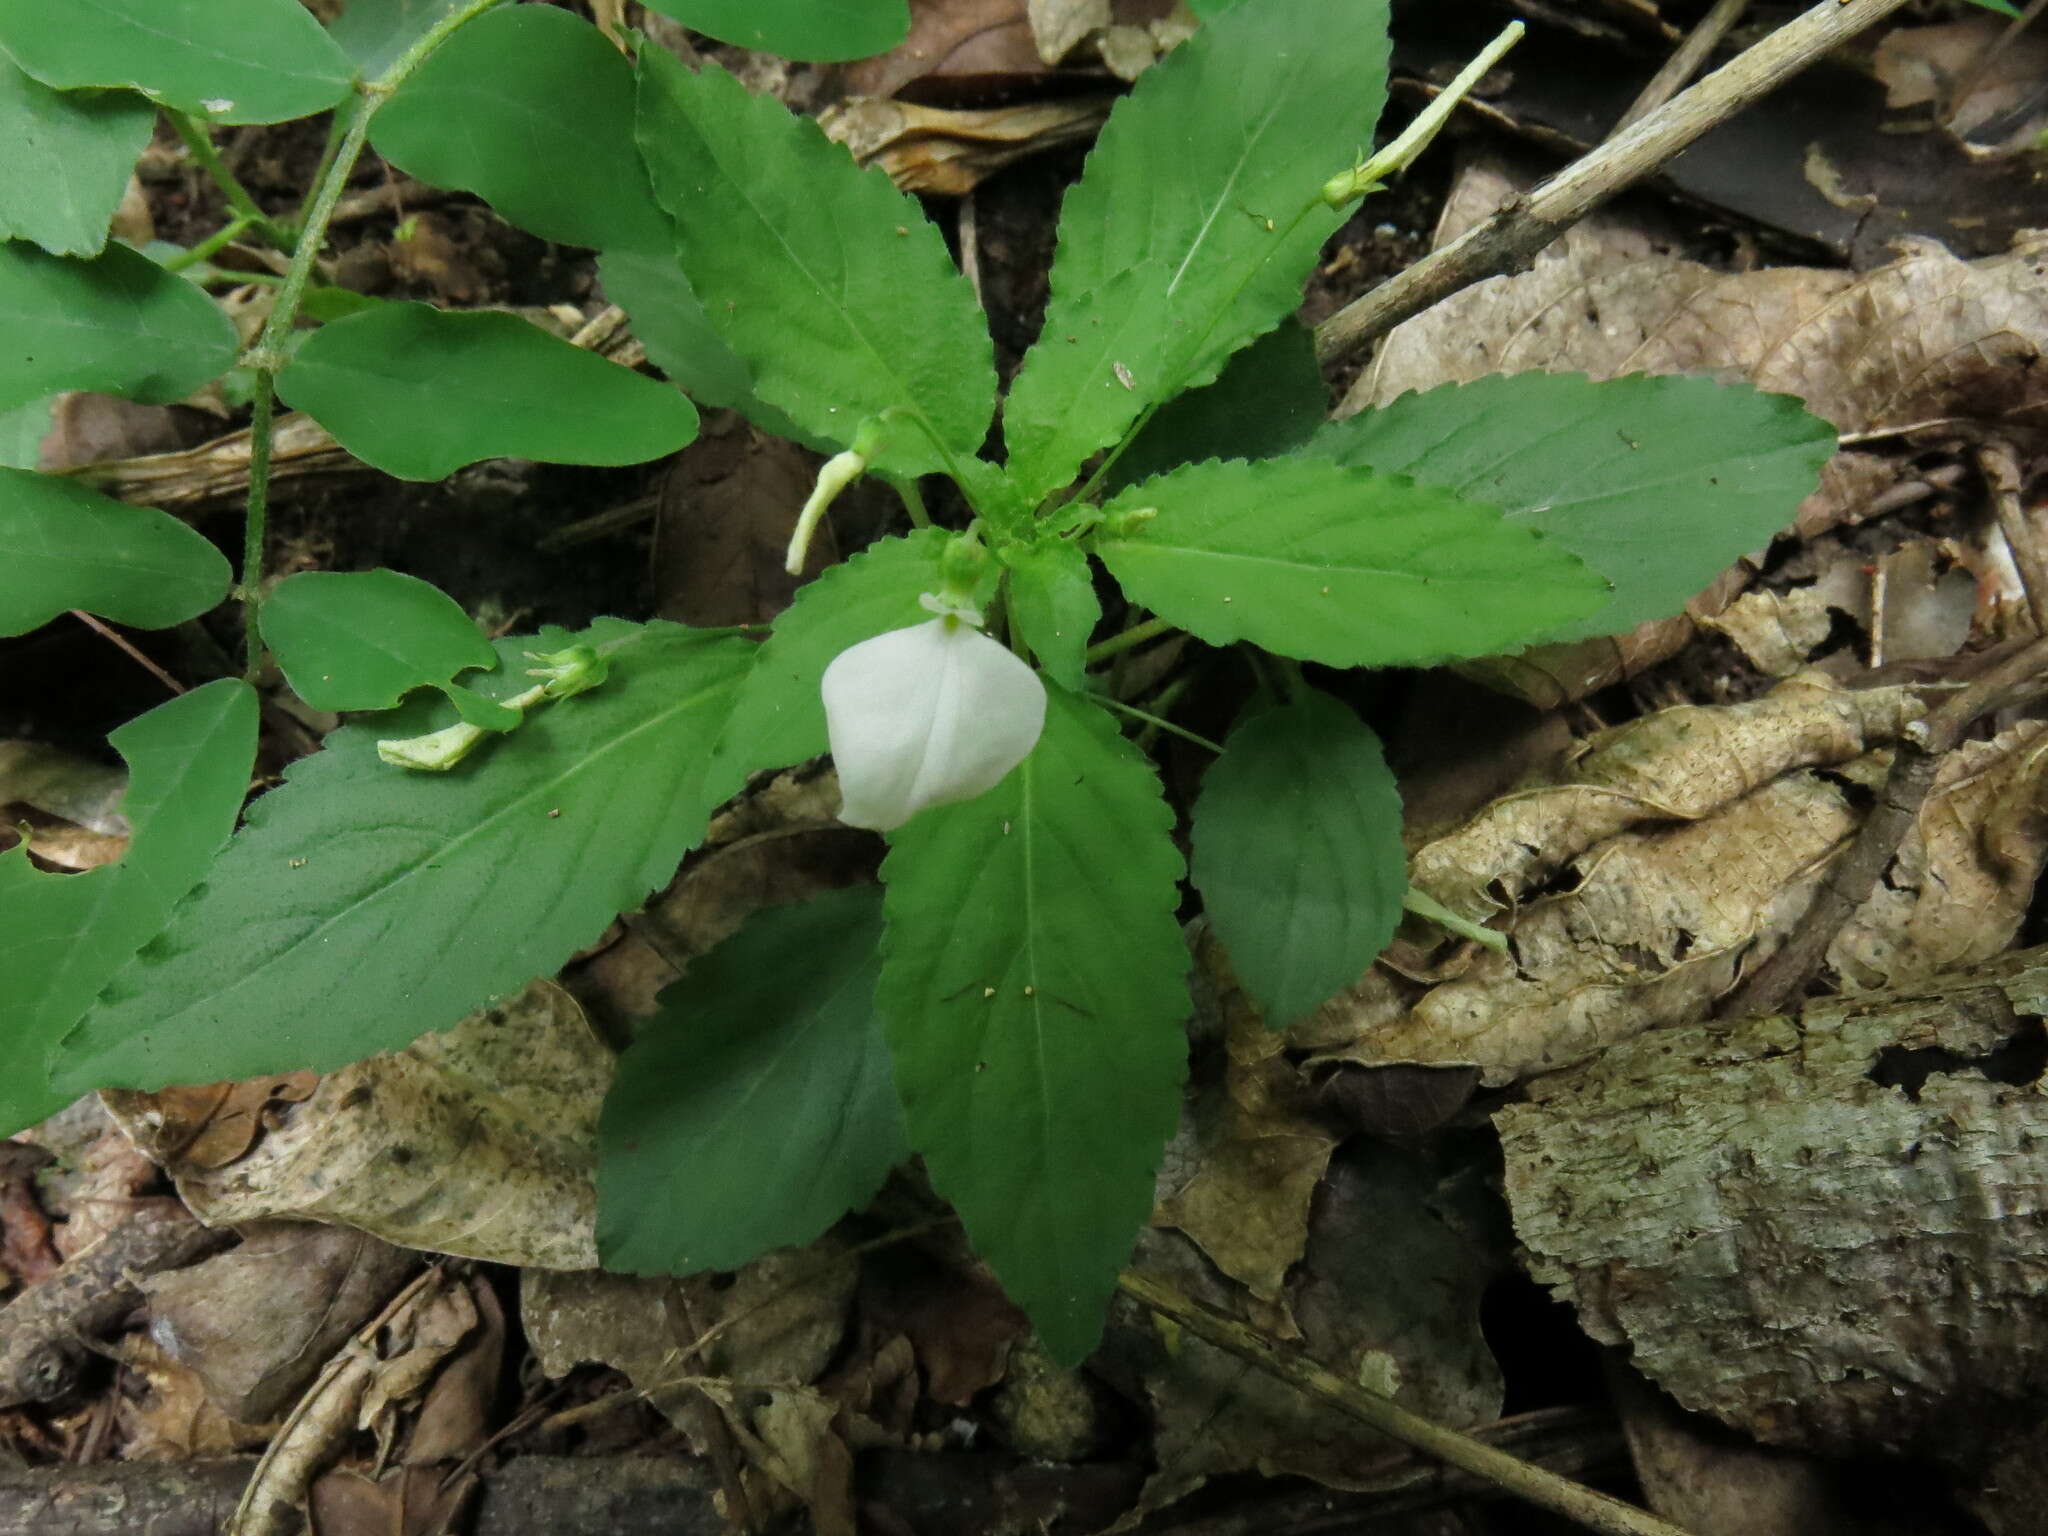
1830,1229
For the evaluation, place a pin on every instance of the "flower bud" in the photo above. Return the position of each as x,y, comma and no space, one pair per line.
929,715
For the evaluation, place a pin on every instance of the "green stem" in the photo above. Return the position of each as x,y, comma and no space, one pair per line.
268,355
912,497
1136,635
200,142
1424,905
223,236
1157,723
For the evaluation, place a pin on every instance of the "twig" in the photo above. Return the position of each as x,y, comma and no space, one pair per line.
200,143
1773,985
1684,62
126,647
2001,469
1545,1489
1529,223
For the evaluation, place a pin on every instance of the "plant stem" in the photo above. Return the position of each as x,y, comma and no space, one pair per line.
908,492
1422,904
1136,635
200,143
212,243
268,355
1539,1486
1158,724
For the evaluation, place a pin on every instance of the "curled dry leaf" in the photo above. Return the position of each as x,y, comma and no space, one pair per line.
949,151
1681,852
478,1141
1826,1229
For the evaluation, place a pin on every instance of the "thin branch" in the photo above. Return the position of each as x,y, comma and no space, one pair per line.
126,647
1545,1489
2001,470
1684,63
1515,234
1772,986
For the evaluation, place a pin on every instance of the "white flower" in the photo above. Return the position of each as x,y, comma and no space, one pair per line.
926,716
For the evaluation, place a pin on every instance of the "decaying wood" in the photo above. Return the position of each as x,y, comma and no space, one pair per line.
44,1329
1515,234
1829,1229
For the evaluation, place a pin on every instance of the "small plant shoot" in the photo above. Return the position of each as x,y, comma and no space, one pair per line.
1011,1005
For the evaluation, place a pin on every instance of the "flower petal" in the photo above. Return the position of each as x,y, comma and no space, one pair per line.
925,716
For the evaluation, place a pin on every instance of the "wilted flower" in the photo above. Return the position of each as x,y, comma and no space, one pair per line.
928,715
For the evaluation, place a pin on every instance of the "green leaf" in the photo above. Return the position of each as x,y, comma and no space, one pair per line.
544,106
350,640
419,392
118,323
829,31
402,901
1089,377
1297,853
22,430
1658,482
756,1107
224,61
830,284
69,155
1338,565
63,936
780,717
1053,606
63,546
375,32
1269,400
670,322
1034,986
1210,174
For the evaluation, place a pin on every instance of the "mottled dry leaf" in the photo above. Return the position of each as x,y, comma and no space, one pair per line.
1676,765
1398,1256
1827,1229
1247,1159
173,1418
256,1323
1964,877
1681,852
478,1141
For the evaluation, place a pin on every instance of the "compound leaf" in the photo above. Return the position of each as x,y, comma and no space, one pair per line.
1297,853
1658,482
228,61
1338,565
531,109
63,546
64,935
756,1107
419,392
351,640
118,323
1034,986
829,31
401,901
830,284
69,155
1209,174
